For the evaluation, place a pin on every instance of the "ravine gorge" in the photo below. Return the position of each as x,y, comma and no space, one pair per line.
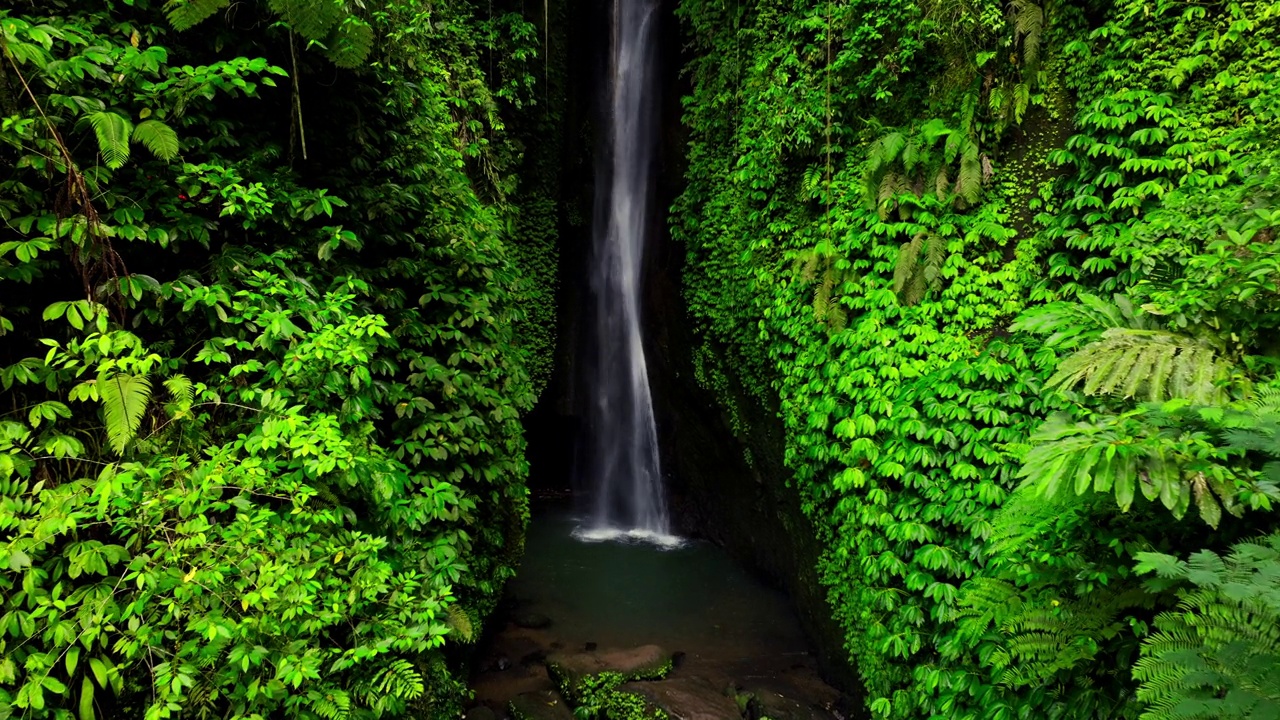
639,360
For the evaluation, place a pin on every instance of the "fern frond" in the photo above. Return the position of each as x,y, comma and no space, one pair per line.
113,133
1155,364
997,101
941,183
1042,636
1218,655
157,137
312,19
935,255
181,391
124,400
459,622
908,258
400,679
969,181
891,186
911,155
811,182
822,297
885,149
807,265
186,14
332,705
351,43
836,319
1021,101
955,143
1028,23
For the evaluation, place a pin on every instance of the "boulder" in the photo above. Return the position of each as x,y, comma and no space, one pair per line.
542,705
691,698
568,670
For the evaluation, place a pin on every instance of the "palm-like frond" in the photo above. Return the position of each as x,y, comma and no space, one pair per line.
919,267
157,137
312,19
124,401
1153,364
112,131
186,14
1028,23
1069,323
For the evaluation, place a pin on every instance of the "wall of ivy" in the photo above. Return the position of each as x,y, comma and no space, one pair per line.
876,193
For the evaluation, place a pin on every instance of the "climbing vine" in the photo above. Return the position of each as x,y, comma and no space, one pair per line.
905,221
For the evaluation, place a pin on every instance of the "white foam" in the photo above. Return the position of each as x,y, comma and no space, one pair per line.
666,541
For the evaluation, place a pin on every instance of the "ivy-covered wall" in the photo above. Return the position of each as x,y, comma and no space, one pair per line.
876,192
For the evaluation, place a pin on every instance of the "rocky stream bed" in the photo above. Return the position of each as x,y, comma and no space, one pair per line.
631,632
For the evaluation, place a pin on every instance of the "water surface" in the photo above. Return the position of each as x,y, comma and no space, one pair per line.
692,598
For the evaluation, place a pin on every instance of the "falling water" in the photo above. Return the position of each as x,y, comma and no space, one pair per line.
622,454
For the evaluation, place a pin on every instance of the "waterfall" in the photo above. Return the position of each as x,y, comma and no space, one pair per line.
622,465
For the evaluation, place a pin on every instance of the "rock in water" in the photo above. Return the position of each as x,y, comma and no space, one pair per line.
647,662
543,705
691,698
531,621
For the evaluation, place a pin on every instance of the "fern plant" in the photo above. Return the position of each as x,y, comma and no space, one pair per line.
332,25
1218,655
919,266
1171,449
1045,634
820,265
124,401
114,134
920,162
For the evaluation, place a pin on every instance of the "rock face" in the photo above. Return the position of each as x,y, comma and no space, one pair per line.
543,705
691,698
646,662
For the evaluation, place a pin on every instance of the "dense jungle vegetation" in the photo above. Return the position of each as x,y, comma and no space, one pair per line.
272,302
278,282
1010,271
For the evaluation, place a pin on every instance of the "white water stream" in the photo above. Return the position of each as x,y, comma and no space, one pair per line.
623,469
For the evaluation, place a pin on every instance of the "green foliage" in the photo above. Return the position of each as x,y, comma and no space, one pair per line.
598,697
113,134
1215,656
261,455
919,266
965,183
158,138
124,400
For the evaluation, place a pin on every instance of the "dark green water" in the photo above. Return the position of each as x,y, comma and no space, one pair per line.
692,598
